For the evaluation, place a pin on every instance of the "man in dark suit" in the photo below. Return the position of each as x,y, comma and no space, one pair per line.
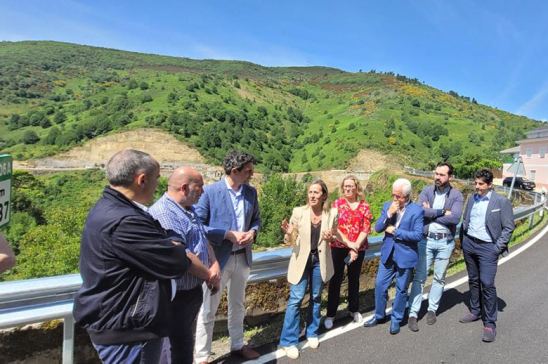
402,222
487,227
229,211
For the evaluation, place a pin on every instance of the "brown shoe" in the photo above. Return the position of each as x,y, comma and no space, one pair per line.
246,352
469,317
489,334
413,324
431,318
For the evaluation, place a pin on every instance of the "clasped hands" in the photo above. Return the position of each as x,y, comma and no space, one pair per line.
240,238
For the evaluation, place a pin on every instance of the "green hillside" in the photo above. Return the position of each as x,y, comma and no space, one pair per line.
57,95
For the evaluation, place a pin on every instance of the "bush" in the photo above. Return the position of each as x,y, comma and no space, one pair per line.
277,198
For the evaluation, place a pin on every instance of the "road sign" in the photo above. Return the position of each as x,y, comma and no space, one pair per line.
5,188
517,168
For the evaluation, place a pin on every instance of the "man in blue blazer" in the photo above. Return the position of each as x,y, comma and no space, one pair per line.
229,211
487,227
402,222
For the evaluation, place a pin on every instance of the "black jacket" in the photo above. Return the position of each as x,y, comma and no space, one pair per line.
126,261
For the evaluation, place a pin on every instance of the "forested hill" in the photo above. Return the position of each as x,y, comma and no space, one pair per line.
56,95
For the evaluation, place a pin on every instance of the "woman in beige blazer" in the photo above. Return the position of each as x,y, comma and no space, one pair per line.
309,230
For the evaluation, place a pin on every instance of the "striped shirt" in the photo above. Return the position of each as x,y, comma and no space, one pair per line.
173,216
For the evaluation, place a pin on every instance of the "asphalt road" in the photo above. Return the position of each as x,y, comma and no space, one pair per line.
522,327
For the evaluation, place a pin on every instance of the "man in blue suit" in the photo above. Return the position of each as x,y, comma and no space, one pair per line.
487,227
402,222
229,211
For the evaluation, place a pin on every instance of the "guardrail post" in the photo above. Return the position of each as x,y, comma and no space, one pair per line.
532,217
68,339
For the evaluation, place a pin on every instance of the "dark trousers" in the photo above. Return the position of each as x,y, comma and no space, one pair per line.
142,352
481,263
354,270
184,309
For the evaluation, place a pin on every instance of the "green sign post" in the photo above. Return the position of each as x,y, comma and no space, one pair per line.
5,188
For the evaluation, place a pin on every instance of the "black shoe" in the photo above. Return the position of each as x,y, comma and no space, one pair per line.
394,328
412,324
374,322
431,318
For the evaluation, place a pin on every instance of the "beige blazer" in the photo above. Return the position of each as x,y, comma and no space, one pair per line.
301,248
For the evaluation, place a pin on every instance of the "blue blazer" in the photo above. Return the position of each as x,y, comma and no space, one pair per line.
216,212
403,245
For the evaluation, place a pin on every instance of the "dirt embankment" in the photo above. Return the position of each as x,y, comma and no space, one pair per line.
172,153
372,161
162,146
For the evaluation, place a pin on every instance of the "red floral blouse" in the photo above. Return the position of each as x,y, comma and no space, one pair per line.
352,222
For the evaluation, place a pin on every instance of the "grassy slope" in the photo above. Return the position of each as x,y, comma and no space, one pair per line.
345,112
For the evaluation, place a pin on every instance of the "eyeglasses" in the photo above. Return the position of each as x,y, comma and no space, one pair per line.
397,196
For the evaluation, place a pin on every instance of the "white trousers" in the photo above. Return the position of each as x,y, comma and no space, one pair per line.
234,276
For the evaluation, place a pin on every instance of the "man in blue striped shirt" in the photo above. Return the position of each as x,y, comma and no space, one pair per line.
175,212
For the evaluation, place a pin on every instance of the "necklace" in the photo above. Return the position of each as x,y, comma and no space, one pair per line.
315,219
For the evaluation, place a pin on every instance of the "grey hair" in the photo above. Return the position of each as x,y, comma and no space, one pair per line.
124,165
405,185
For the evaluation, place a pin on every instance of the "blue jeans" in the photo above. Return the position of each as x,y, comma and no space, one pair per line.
142,352
385,275
430,251
291,327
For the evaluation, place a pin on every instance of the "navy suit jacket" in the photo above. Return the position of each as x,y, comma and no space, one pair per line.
499,220
216,212
403,245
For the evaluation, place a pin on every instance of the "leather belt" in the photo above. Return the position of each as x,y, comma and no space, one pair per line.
476,240
236,252
438,236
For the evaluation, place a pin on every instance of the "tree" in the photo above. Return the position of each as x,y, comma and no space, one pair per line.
279,195
59,117
30,137
52,136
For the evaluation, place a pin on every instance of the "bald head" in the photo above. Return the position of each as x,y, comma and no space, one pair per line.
185,186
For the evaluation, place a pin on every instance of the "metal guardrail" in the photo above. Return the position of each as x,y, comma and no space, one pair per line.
42,299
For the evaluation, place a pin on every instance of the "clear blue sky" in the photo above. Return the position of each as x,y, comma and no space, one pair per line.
495,51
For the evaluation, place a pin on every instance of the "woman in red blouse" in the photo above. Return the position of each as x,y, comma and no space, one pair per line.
354,219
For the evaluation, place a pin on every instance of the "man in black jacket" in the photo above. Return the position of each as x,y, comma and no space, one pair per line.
126,261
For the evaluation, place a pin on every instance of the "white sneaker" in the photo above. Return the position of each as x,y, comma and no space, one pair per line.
292,352
356,316
313,342
328,323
